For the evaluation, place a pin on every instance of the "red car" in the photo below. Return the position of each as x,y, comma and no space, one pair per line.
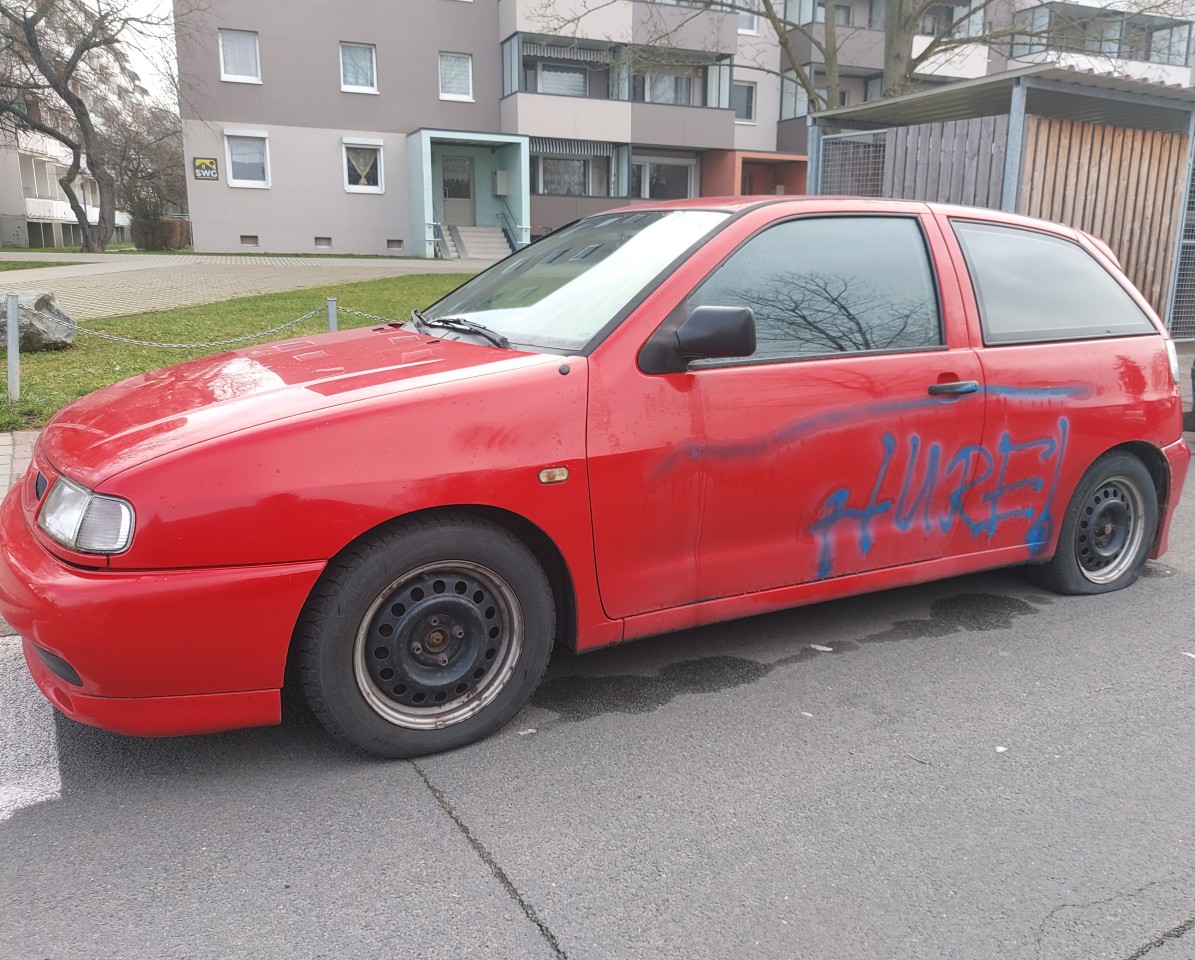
651,419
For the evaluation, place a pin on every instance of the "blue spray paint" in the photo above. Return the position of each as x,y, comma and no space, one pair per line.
971,468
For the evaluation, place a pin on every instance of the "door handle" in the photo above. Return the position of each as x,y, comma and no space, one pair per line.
954,388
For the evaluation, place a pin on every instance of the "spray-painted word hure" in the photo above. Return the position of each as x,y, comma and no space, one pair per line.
976,481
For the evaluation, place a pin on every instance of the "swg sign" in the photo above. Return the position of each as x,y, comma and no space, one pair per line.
205,168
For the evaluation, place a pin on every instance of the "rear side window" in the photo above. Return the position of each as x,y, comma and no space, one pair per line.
831,285
1035,287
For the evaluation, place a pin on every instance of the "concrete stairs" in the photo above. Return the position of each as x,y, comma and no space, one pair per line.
482,243
449,244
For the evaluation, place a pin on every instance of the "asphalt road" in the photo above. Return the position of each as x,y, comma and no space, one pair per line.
970,769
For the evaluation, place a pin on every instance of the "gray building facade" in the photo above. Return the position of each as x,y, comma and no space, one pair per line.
371,127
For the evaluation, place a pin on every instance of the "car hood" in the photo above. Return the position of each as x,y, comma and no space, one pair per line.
166,410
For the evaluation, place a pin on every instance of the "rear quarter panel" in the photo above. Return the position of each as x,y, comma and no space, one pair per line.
1069,402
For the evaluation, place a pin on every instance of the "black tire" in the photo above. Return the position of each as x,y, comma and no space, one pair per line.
425,636
1107,530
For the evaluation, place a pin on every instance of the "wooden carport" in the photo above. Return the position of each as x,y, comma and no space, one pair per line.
1105,154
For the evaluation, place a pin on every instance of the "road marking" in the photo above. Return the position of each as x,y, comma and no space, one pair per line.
28,741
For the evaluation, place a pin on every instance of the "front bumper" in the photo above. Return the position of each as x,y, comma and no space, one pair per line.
158,653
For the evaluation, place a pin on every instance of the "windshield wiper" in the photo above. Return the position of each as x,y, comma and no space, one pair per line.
460,325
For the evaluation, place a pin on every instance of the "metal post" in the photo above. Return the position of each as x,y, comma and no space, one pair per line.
332,317
14,347
1176,257
813,163
1011,190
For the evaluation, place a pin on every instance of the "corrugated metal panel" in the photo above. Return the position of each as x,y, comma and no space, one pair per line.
571,148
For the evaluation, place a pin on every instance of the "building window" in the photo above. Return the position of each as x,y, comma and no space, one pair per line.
662,88
358,68
842,14
248,158
562,81
570,176
794,98
239,61
363,171
749,22
742,99
662,179
456,76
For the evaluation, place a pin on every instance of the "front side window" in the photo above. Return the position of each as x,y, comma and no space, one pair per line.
239,62
564,290
456,76
1033,287
363,166
832,285
742,99
248,159
358,68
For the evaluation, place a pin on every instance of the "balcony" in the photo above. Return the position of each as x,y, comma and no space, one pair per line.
41,208
575,118
690,128
1142,46
623,21
859,47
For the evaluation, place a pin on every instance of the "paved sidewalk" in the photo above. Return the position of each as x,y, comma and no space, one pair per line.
16,450
117,284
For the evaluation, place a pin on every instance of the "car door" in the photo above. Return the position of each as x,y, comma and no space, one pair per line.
838,447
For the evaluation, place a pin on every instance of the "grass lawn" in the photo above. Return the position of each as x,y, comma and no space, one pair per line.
50,380
32,264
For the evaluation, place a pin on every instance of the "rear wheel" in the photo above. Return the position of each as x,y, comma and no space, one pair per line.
1107,530
426,636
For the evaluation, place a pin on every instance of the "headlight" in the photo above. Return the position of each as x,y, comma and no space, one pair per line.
84,521
1172,354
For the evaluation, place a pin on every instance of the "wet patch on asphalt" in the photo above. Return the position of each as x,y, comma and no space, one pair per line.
576,698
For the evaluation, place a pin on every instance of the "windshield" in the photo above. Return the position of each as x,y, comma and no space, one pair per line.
560,292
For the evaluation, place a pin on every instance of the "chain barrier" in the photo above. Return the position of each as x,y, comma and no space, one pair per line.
75,325
14,372
369,316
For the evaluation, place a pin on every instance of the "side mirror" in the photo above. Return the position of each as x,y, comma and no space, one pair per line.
702,333
710,332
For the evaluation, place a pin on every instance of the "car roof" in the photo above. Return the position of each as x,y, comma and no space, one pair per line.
837,204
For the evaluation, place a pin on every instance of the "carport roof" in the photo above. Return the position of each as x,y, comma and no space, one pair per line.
1055,91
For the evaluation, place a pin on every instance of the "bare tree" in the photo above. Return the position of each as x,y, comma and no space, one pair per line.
145,147
65,74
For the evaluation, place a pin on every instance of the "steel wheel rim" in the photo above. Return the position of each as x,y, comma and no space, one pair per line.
1110,530
480,662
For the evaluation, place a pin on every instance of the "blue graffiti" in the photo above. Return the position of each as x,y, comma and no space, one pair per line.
972,468
687,452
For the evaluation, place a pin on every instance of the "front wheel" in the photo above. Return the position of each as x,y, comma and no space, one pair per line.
1107,531
426,636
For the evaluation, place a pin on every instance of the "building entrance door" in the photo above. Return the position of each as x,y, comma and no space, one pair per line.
458,192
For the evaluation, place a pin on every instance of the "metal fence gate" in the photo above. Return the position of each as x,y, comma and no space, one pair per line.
852,164
1181,319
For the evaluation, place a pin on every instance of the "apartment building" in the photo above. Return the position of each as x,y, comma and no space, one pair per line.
1101,35
466,127
1153,43
34,211
410,129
